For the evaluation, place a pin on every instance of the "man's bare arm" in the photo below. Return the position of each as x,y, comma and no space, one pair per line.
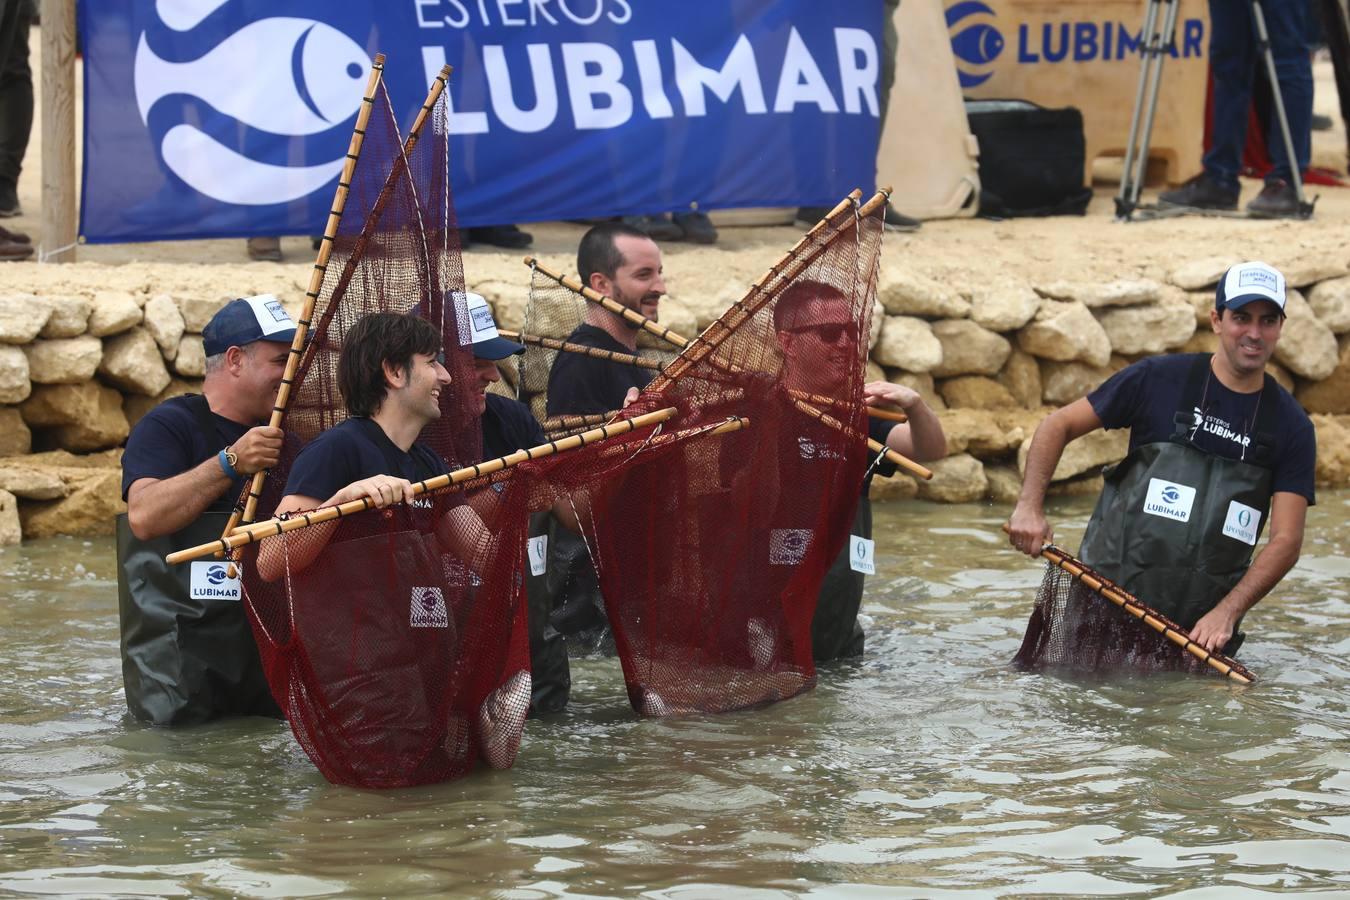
1028,530
1288,512
160,506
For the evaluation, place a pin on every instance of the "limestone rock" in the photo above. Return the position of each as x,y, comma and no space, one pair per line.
1304,272
539,406
94,495
1281,375
164,321
969,349
538,364
956,479
30,484
1088,485
1333,449
11,532
132,362
1064,332
190,360
873,372
896,487
85,416
875,324
135,406
1021,375
919,382
1006,307
1307,347
1203,341
1330,302
15,381
15,438
113,312
1202,273
1201,302
975,392
1005,484
979,433
1331,394
908,343
1096,295
508,301
1066,382
64,360
1091,451
1148,329
197,311
69,316
22,317
675,315
707,309
904,292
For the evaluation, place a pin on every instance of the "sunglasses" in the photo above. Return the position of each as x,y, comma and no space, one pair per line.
830,333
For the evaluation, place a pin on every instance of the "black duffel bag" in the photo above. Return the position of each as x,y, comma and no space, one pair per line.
1031,159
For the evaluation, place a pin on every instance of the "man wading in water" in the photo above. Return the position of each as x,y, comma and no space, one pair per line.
1216,448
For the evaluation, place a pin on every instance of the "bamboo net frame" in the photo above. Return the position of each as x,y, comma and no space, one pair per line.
1146,614
788,266
438,86
247,534
630,359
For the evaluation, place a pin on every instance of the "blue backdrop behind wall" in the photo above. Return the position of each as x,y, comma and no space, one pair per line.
210,118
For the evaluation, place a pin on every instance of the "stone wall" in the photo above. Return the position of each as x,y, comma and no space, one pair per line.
77,371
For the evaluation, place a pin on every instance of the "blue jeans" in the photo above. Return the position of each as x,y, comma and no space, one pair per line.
1233,58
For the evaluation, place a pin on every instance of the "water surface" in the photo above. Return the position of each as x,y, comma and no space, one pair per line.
928,769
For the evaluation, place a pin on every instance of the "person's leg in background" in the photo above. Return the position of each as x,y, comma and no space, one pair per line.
1287,26
16,100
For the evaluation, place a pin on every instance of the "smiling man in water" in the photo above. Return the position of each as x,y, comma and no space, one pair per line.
1216,449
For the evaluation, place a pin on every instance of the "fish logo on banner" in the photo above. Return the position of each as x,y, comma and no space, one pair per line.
283,76
976,43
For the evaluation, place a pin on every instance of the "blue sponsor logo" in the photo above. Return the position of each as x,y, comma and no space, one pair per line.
1170,494
1244,518
975,41
216,574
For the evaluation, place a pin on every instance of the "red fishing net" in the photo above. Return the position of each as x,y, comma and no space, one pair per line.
711,552
397,661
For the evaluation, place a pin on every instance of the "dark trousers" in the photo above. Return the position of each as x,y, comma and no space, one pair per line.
1234,58
16,90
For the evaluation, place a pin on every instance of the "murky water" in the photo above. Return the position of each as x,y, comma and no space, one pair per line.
930,769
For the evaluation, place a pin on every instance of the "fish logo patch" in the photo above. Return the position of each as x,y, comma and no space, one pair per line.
1169,500
788,546
279,76
212,581
428,608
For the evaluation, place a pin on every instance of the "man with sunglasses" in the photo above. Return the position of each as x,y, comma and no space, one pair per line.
1217,447
820,342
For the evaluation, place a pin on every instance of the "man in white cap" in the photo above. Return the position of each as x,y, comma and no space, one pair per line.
187,652
1217,447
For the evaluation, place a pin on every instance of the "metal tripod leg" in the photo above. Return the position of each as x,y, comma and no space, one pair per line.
1156,43
1263,44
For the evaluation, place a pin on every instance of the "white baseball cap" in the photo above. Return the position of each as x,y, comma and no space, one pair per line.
1250,281
487,343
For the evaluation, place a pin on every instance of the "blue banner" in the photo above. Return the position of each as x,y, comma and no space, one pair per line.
216,118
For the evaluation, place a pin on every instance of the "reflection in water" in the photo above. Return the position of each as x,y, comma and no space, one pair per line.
927,769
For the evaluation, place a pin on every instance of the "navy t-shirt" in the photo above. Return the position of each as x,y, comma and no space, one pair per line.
581,385
508,426
171,438
353,450
1146,396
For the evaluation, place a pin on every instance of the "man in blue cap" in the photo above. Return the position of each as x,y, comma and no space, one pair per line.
1217,447
187,652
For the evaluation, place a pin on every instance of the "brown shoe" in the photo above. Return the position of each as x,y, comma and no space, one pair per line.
17,237
264,249
13,251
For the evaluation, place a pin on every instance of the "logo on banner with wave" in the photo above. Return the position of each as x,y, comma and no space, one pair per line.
279,77
976,42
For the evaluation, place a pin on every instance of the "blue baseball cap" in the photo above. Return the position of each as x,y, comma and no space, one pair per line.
1250,281
248,319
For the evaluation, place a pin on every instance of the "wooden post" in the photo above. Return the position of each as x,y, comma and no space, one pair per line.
57,242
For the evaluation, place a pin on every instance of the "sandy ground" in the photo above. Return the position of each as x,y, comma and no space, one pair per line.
966,253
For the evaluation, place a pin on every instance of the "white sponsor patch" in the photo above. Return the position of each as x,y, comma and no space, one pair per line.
271,315
428,608
537,550
862,555
1169,500
211,581
787,546
1242,522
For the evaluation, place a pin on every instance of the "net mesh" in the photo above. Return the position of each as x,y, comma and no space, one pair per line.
711,551
395,641
1074,628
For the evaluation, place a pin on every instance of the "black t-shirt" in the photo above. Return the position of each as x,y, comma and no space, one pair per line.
172,438
356,449
813,440
508,426
581,385
1145,398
